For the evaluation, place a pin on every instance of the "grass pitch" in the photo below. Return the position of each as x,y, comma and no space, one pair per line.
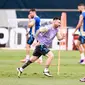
70,71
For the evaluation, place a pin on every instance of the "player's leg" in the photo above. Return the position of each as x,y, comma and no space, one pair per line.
81,50
27,63
49,59
40,60
83,45
36,55
31,60
45,51
48,62
27,51
34,44
29,42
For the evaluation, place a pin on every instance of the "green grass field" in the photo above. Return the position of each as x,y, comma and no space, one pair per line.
70,71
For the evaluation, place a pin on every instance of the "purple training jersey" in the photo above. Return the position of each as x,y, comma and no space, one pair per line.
47,37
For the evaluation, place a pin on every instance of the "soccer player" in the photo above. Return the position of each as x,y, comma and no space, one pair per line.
81,8
33,26
81,41
44,36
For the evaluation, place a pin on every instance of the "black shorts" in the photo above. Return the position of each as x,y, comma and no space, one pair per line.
40,50
82,39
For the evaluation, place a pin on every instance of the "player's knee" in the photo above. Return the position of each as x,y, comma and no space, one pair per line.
33,59
76,43
51,55
27,46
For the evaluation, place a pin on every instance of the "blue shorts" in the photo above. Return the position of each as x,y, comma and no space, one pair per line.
30,40
82,39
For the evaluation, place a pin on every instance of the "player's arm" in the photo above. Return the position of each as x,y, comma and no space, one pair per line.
31,23
41,29
60,36
79,23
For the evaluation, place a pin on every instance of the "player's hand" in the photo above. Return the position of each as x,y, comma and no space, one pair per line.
29,17
26,33
64,36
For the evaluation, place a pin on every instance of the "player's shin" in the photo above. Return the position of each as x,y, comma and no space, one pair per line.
48,62
26,64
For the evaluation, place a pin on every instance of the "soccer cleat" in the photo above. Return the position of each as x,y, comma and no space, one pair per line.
82,61
19,72
47,74
82,80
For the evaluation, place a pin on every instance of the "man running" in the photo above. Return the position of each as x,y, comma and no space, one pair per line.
44,36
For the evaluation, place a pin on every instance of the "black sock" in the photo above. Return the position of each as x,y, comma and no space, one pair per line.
26,64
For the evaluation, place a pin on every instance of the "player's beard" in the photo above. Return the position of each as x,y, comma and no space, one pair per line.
55,26
80,12
32,17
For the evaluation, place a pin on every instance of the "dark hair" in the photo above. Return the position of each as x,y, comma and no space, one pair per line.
81,4
56,18
33,10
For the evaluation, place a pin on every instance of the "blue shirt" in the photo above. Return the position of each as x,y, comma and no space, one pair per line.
83,14
37,24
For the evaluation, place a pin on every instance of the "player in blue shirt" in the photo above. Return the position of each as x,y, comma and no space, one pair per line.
33,26
81,8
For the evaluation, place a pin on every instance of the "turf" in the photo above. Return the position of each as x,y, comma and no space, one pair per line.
70,71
